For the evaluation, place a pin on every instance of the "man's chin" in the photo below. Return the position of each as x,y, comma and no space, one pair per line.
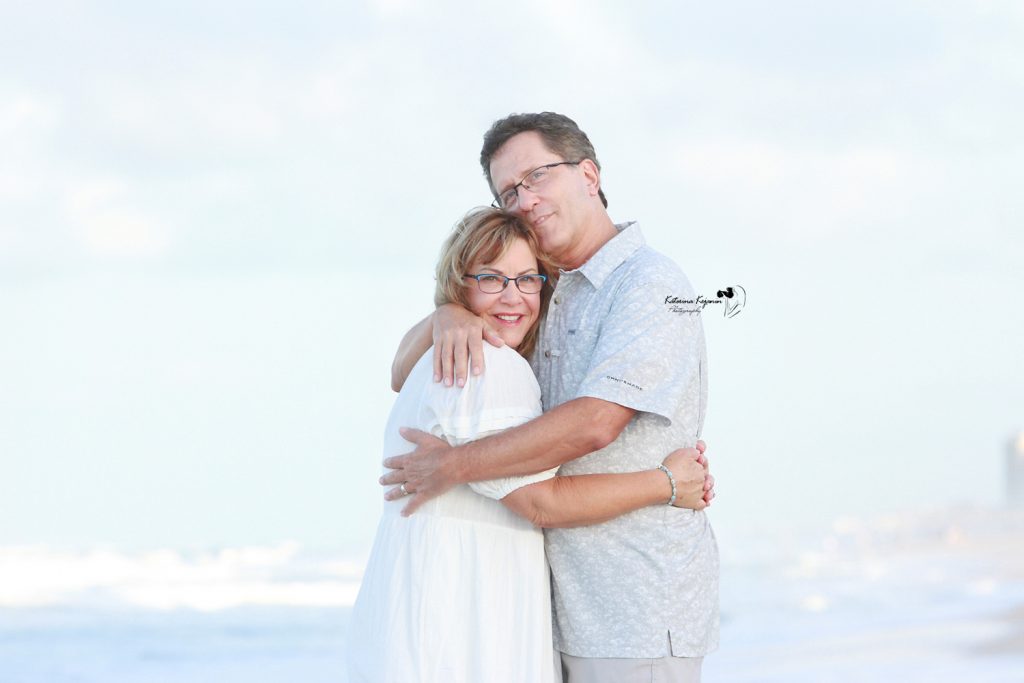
548,247
544,236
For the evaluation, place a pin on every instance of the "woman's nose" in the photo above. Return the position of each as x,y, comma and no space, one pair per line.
511,293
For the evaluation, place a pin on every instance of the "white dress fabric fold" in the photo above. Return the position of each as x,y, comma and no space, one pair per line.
459,592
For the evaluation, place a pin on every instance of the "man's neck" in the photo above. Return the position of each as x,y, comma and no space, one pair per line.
598,233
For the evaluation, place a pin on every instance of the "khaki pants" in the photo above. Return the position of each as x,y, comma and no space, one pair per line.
667,669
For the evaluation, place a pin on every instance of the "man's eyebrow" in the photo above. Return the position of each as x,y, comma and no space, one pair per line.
501,192
521,177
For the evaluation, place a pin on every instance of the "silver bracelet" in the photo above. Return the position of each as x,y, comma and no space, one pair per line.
671,480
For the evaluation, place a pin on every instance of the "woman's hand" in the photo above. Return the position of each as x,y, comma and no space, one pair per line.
458,336
688,466
709,480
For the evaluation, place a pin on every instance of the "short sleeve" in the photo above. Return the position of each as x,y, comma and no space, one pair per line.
505,395
650,343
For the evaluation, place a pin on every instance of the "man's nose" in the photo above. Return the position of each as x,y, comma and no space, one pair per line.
526,200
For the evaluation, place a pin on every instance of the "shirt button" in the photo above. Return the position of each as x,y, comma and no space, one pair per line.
547,354
558,299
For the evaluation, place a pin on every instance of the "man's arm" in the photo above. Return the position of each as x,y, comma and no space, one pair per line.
456,334
575,428
412,347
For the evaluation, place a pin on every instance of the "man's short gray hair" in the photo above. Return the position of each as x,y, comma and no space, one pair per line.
561,136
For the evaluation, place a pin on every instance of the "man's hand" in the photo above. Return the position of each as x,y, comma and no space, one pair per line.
458,336
420,474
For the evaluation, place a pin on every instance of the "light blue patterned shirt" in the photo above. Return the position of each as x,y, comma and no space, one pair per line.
615,331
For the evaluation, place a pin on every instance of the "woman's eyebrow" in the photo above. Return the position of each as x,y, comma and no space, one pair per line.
528,271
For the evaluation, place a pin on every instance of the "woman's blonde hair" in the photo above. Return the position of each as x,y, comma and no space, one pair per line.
484,235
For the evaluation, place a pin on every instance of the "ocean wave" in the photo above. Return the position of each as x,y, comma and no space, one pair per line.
921,555
165,579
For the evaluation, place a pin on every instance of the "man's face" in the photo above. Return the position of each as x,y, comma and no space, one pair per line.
556,211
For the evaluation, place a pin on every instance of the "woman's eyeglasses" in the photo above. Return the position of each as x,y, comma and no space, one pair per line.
492,283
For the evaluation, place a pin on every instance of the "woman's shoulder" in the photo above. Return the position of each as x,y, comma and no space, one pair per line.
505,359
507,379
503,395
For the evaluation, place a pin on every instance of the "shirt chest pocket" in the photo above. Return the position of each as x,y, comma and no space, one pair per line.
580,344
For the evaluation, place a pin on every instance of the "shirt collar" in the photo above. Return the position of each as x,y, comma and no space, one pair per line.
613,253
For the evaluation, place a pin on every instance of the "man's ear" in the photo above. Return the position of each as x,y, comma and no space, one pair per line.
593,176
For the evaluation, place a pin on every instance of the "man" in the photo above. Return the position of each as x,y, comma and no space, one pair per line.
623,378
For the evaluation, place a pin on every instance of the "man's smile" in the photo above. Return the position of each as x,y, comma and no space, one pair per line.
541,219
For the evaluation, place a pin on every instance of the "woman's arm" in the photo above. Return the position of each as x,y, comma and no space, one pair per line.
593,498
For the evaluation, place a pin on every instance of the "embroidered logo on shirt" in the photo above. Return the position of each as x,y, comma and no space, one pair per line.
622,381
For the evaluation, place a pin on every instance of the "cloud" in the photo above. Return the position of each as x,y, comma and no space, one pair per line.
392,8
371,115
817,193
24,113
105,221
27,123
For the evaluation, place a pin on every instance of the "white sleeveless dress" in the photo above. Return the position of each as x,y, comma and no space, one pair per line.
459,592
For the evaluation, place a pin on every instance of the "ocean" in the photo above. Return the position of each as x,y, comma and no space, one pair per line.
930,595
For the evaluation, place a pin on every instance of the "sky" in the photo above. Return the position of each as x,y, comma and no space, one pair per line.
216,222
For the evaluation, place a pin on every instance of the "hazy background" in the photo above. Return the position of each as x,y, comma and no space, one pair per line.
217,219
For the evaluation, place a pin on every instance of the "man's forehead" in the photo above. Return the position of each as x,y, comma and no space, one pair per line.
519,155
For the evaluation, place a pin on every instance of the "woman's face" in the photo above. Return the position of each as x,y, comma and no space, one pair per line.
510,312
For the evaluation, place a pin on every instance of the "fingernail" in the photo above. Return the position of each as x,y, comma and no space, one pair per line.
447,381
476,370
462,382
437,378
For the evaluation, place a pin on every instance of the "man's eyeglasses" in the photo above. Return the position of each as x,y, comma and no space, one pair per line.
533,181
492,283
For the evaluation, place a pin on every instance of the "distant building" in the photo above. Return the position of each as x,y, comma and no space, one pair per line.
1015,470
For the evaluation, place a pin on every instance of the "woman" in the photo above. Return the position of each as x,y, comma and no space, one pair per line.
459,592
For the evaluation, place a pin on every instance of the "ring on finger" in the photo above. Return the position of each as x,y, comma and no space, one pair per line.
405,491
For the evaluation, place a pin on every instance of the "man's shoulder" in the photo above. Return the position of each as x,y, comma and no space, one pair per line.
649,267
